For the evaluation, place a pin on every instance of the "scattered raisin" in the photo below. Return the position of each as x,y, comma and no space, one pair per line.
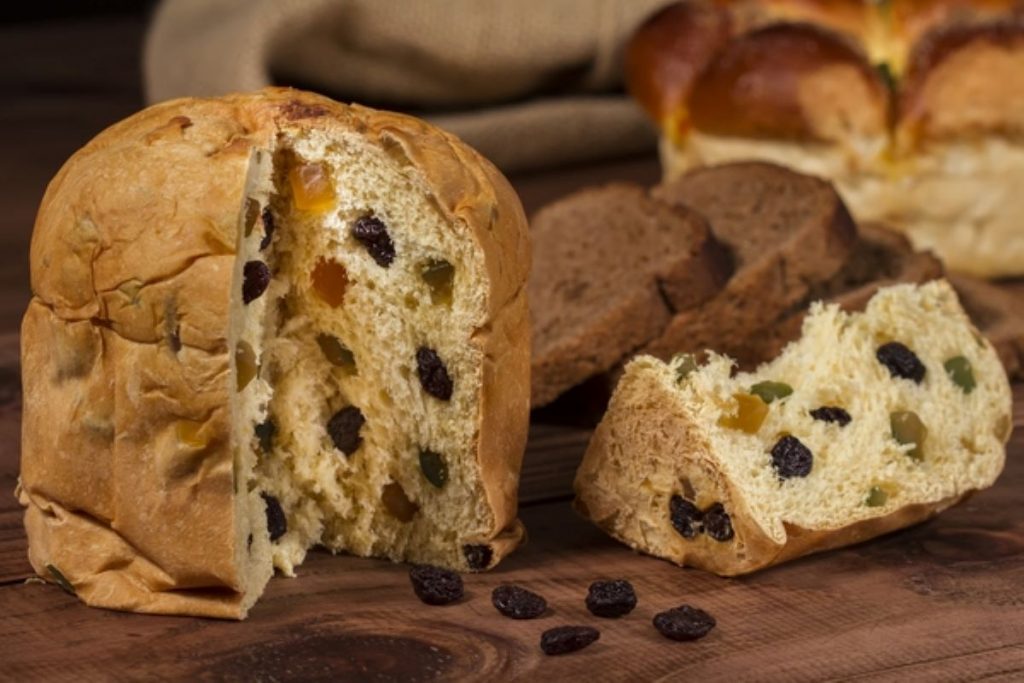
433,374
717,523
435,585
877,497
565,639
478,556
907,428
832,414
768,390
686,518
901,361
371,232
344,429
611,598
790,458
265,432
277,523
255,279
518,603
440,277
397,502
434,468
268,228
959,370
684,623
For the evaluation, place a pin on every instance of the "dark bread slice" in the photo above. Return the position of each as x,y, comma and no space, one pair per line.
611,266
999,314
789,233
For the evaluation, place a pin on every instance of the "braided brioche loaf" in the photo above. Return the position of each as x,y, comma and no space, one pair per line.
914,108
869,422
262,323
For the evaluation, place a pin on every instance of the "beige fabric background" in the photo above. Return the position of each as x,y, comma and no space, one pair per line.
529,83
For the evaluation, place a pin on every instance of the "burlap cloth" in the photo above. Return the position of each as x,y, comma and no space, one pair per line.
529,83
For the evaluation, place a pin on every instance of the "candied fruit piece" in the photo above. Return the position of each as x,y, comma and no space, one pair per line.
877,497
440,278
311,185
901,361
433,374
255,280
518,603
434,468
611,599
959,370
330,280
907,428
478,556
245,364
684,623
436,586
686,517
684,363
562,640
265,432
397,502
336,353
371,232
750,414
717,523
768,390
252,212
188,433
791,458
277,522
344,429
832,414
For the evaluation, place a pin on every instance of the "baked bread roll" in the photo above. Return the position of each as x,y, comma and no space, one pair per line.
914,109
262,323
869,422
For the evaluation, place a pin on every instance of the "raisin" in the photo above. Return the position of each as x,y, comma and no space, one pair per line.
959,370
790,458
434,468
344,429
277,523
565,639
518,603
265,432
255,279
371,232
397,502
478,556
686,517
832,414
684,623
433,374
768,391
717,523
436,586
268,228
901,361
440,277
611,598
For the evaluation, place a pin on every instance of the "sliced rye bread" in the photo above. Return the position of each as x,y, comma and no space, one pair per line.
611,266
789,234
999,314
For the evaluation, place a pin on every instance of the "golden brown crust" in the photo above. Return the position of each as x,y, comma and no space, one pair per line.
132,261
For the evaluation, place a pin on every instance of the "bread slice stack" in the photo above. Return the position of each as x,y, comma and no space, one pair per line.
263,323
870,422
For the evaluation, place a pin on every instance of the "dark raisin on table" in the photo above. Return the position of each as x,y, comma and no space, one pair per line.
277,523
436,585
686,518
344,428
901,361
268,228
371,232
832,414
790,458
433,374
255,280
684,623
518,603
565,639
717,523
265,432
478,556
611,599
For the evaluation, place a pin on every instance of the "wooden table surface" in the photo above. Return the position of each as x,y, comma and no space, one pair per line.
942,601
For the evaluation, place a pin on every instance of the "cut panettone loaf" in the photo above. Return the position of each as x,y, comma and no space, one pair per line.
868,423
611,266
262,323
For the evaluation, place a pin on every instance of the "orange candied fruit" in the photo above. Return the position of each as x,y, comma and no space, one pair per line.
188,433
330,282
311,187
749,415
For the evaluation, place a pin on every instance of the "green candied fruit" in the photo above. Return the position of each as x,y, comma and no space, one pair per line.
768,390
434,468
877,497
907,428
685,363
336,353
959,370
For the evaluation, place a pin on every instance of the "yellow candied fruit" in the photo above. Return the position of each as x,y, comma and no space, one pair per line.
330,280
311,187
188,433
397,503
439,276
245,364
750,414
